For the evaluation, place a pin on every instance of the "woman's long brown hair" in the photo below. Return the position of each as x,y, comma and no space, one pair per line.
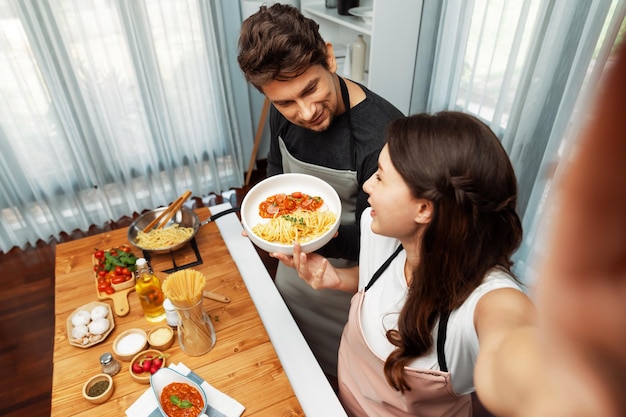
455,161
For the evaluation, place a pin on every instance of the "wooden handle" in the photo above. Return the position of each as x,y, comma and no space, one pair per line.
257,139
120,302
215,296
166,211
173,209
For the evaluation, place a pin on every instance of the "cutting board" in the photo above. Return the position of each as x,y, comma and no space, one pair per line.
119,297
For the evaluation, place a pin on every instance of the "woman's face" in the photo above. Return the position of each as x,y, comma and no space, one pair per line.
395,212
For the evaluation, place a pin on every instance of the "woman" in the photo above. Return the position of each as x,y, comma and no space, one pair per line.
434,280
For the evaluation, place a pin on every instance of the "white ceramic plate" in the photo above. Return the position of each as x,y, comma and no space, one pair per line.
165,376
288,183
365,13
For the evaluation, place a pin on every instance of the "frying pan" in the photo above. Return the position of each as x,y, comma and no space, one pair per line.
184,217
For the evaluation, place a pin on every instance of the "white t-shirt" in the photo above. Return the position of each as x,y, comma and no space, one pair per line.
384,300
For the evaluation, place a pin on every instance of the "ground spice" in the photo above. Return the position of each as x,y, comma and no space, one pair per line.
98,388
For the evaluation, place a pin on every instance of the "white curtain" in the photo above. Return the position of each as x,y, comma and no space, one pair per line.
109,107
527,68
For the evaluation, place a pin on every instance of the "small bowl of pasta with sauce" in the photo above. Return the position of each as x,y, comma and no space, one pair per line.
178,395
288,208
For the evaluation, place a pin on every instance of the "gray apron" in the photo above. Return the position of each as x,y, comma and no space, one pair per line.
320,314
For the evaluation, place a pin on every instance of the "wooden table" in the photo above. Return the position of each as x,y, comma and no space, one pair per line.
243,363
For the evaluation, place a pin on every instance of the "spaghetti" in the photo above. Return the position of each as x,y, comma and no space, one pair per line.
298,226
184,289
157,239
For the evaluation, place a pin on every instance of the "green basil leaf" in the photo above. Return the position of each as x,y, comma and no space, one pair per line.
175,400
185,404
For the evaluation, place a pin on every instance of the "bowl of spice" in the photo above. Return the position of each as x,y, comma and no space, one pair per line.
98,388
161,338
129,343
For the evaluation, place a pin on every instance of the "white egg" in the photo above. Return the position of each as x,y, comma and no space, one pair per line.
98,326
99,312
81,317
80,331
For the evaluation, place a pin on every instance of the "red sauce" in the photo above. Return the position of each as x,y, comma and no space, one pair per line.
181,400
279,204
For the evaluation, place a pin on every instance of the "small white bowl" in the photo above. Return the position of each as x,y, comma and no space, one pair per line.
366,13
126,355
287,184
165,376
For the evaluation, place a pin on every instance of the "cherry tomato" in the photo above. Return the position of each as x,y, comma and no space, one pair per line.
110,275
102,273
125,249
118,279
137,368
109,290
126,271
102,286
99,254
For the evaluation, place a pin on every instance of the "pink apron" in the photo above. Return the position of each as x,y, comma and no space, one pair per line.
364,391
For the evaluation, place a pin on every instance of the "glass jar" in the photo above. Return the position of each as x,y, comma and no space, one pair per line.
109,364
196,334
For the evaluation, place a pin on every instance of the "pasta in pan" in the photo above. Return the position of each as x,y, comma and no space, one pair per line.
157,239
299,226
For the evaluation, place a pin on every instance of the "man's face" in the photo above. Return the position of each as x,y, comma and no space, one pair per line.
310,100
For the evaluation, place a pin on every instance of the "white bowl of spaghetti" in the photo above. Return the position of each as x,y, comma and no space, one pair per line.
286,208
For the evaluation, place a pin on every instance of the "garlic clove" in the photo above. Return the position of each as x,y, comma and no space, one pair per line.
94,338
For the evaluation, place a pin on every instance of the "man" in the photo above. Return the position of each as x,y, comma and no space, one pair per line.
323,125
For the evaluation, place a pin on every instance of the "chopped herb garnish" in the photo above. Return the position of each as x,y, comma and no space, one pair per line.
180,403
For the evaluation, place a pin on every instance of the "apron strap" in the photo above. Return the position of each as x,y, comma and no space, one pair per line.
443,319
382,268
346,103
441,341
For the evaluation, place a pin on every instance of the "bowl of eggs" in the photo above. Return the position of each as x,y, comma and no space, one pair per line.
291,207
89,324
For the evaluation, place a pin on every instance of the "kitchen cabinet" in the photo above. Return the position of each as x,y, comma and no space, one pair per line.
391,40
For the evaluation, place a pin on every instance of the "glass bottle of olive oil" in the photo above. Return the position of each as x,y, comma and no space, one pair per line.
148,288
